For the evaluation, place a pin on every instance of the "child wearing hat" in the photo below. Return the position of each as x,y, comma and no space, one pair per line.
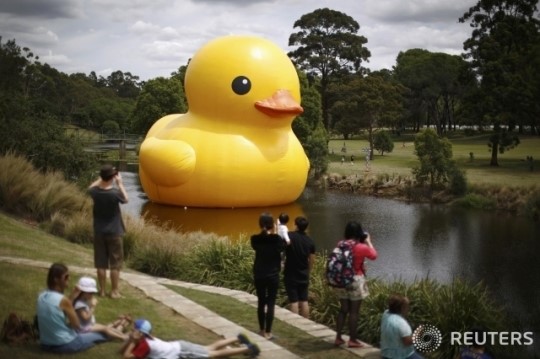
142,345
85,306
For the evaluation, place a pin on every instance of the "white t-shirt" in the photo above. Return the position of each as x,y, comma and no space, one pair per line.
85,324
283,232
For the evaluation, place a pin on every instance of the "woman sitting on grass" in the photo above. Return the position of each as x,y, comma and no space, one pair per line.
57,319
85,305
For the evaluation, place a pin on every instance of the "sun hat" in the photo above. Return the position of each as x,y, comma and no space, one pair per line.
87,284
143,326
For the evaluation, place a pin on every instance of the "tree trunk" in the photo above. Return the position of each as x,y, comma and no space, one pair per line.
494,152
370,139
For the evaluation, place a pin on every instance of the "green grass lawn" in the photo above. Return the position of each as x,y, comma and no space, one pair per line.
513,168
20,286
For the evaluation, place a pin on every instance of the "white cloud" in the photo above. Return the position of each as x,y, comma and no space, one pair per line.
154,38
55,60
143,28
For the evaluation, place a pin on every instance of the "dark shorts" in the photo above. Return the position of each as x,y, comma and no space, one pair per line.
296,292
108,251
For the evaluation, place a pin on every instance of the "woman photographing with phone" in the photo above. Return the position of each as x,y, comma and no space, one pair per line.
350,298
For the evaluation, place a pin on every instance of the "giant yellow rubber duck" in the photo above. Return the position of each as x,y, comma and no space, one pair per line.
235,146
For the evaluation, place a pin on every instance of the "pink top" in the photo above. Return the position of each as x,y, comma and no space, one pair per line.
362,251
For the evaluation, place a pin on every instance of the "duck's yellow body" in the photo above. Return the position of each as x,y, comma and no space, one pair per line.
235,146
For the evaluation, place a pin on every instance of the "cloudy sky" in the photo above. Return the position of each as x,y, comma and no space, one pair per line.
152,38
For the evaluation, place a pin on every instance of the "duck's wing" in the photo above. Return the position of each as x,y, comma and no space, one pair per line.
167,163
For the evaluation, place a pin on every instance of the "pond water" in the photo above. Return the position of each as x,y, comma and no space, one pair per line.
413,240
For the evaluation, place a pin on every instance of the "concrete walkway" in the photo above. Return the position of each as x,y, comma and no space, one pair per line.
155,288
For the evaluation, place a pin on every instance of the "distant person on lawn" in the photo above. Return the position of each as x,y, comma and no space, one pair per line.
108,227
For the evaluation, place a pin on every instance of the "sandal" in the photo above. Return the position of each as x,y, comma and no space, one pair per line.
338,342
115,295
355,344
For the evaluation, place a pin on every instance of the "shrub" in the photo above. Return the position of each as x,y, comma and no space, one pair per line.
531,207
56,195
221,263
19,183
457,181
473,200
382,142
27,192
159,251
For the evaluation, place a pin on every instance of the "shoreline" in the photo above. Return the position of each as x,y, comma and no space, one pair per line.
515,200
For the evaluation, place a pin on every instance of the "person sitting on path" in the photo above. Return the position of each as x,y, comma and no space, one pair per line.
396,333
299,261
142,345
85,306
56,317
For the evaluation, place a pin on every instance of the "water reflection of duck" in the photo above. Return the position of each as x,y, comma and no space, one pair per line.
235,146
222,221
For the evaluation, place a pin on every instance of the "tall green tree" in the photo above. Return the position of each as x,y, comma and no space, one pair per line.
437,82
435,157
327,46
382,142
158,97
368,103
309,128
30,114
503,43
124,84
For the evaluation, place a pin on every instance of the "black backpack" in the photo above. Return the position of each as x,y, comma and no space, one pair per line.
17,330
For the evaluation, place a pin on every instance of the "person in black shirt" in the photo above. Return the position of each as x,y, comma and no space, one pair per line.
266,267
299,260
108,226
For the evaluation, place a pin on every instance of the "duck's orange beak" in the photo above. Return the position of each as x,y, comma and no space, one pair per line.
281,103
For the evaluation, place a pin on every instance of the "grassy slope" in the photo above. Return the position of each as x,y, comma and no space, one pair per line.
513,169
20,285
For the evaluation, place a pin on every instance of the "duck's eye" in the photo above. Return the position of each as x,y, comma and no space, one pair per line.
241,85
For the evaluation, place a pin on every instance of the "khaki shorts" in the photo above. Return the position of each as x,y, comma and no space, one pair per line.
108,251
358,289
